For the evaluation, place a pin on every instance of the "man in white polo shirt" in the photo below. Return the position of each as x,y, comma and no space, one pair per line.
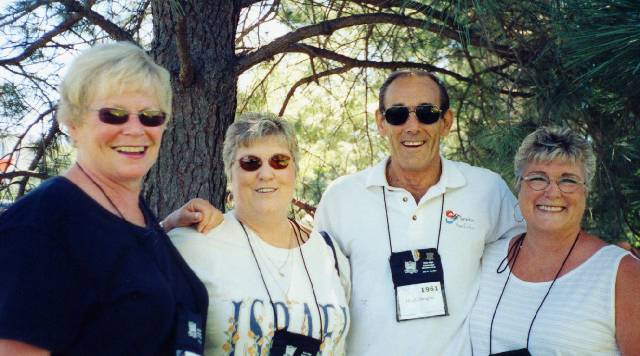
414,227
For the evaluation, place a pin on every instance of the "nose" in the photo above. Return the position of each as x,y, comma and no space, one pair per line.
133,126
412,123
265,172
553,189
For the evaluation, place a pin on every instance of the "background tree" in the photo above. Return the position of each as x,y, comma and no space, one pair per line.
510,66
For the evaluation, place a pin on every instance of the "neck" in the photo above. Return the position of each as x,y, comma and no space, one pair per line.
545,244
274,230
415,182
116,197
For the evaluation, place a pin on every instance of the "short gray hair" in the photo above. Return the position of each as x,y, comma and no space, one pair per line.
444,95
548,144
252,127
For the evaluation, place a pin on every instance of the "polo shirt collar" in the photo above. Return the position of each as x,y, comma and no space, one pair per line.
451,177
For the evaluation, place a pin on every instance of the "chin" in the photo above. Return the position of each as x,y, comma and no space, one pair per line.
132,175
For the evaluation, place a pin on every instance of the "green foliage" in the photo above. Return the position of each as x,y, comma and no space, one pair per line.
11,104
509,66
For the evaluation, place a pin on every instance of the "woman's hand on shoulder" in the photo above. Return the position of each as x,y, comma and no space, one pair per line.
198,213
627,306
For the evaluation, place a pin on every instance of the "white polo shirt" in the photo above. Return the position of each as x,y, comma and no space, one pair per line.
478,209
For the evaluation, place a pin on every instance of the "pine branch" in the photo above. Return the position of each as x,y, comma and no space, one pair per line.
42,41
328,27
109,27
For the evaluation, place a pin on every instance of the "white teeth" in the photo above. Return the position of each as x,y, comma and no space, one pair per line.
413,143
130,149
550,208
265,190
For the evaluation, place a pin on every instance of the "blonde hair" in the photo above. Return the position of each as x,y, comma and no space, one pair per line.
110,69
252,127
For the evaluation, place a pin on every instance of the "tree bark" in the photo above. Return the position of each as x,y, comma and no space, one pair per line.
190,162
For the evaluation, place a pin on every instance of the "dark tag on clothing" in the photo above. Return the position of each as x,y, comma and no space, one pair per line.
291,344
518,352
418,280
189,334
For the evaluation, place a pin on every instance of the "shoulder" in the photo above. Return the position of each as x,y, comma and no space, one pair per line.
498,248
349,181
191,243
475,173
41,205
629,272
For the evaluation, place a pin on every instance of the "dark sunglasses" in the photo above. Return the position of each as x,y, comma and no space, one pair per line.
426,114
149,118
252,163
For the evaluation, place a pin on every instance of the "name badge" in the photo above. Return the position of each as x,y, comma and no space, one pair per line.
286,343
418,280
189,334
518,352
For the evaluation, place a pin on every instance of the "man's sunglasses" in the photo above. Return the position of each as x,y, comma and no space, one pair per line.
426,114
149,118
252,163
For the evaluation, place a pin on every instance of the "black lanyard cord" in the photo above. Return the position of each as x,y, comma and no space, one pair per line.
386,213
297,230
150,222
555,278
275,314
514,251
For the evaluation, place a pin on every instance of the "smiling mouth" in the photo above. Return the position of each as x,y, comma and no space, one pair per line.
550,208
131,149
266,190
412,144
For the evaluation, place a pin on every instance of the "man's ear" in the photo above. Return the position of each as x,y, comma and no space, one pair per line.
380,122
447,122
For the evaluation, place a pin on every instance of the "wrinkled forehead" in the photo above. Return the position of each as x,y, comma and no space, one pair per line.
105,87
557,166
274,141
412,90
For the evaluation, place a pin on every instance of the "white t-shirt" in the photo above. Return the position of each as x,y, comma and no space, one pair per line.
577,318
478,209
240,318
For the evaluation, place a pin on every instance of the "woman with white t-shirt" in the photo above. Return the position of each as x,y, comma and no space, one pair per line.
274,287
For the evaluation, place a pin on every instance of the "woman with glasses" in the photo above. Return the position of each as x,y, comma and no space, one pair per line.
85,267
556,289
274,287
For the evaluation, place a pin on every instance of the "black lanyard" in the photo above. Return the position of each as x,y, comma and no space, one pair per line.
516,246
386,213
296,229
152,225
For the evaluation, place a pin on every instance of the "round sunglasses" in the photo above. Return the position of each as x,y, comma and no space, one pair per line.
426,114
252,163
149,118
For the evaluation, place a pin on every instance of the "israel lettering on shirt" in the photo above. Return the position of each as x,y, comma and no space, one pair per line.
189,340
418,280
251,329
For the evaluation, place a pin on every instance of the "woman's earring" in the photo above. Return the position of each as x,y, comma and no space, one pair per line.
516,209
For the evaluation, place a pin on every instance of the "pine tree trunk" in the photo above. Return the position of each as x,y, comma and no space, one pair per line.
190,161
